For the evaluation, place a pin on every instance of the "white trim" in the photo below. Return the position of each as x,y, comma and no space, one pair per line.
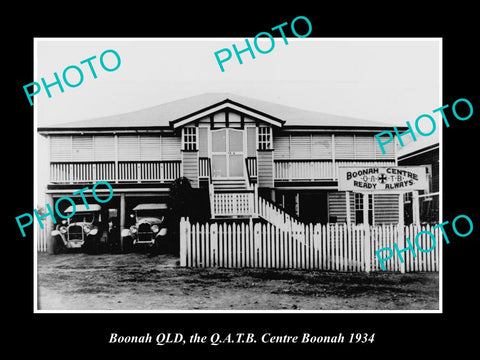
224,106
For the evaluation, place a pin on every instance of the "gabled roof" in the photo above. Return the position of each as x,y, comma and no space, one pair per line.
178,112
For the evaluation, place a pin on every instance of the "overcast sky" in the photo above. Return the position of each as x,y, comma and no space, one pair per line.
386,80
383,80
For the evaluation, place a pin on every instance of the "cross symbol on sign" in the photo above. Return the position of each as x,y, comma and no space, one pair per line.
382,178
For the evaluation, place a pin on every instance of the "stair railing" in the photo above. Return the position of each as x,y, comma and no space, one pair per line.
252,186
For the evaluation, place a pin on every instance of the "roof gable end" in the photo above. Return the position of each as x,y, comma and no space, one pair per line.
227,104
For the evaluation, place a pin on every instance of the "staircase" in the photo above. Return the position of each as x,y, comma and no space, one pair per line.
231,198
226,185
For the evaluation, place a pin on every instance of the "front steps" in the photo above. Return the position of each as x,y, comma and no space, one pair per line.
229,185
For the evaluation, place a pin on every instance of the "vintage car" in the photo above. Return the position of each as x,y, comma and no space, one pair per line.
84,230
150,227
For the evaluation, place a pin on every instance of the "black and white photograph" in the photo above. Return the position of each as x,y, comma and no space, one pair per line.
262,187
293,178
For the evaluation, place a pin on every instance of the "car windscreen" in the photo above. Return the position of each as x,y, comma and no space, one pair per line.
82,217
150,213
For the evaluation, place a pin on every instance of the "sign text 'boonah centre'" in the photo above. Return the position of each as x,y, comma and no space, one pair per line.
382,178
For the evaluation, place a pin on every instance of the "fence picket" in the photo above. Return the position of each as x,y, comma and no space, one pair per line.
311,248
238,241
214,244
268,245
234,245
281,235
221,251
316,246
408,260
242,245
342,247
201,244
335,247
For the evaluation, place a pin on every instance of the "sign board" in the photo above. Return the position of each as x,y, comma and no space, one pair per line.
382,178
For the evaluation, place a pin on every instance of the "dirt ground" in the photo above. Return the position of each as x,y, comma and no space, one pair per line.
139,282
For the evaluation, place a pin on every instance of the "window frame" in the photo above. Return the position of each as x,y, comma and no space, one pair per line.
264,138
358,207
190,138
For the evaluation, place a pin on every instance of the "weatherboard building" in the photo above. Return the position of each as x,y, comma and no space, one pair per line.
234,150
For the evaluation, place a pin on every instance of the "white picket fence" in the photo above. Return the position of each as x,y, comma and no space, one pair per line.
336,247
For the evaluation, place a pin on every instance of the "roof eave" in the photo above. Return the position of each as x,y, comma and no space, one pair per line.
53,129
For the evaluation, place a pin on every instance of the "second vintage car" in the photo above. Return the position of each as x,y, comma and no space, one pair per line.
150,228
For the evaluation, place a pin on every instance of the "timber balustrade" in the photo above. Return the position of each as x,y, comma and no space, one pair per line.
296,170
138,171
122,171
233,203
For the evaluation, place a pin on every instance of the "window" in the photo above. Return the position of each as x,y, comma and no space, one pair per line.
359,208
190,138
264,138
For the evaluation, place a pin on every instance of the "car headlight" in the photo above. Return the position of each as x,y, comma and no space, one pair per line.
133,229
163,232
87,229
93,231
155,228
63,229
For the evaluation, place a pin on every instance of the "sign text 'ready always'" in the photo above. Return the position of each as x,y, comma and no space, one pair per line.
382,178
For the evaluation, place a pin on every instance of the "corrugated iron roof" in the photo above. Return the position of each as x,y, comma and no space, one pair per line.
165,114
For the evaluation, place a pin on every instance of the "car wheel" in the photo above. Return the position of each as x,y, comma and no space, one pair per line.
58,245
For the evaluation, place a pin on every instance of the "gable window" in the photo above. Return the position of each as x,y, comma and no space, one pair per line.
264,138
189,138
